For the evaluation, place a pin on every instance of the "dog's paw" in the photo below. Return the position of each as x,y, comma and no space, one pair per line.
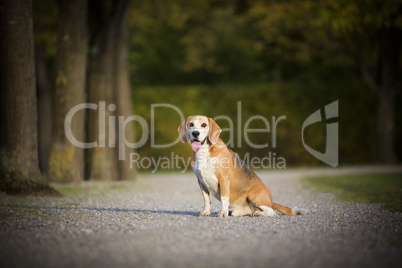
223,213
266,213
256,214
205,213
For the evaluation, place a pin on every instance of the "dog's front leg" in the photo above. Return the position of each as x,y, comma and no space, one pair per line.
224,187
207,200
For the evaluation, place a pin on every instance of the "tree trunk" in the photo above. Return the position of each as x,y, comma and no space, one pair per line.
388,83
19,168
102,159
44,93
123,99
66,162
385,129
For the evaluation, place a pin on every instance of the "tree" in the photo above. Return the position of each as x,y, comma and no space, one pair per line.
66,162
362,36
45,101
45,34
124,106
19,168
104,19
382,76
370,32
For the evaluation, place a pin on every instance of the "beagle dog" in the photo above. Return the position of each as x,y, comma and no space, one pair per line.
223,174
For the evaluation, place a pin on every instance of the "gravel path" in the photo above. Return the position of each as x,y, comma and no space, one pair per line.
154,223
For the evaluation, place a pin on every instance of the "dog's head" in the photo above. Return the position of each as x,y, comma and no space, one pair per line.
198,129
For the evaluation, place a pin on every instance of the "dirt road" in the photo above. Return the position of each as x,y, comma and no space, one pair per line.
155,223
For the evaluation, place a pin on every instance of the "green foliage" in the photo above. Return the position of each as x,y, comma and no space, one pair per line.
218,41
180,42
296,101
375,188
277,57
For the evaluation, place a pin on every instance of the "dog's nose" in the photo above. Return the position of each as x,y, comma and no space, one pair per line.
196,134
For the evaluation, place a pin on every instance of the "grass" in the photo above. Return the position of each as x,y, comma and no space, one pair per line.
96,188
385,189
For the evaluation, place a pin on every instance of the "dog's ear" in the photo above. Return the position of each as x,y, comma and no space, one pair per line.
183,130
214,131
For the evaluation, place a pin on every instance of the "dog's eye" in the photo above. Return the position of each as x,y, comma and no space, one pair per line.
191,124
204,125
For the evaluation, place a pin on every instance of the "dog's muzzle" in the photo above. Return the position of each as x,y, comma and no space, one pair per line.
196,144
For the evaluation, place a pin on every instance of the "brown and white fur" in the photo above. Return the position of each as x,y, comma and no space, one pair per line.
223,174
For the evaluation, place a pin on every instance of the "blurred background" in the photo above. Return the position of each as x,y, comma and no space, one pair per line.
276,57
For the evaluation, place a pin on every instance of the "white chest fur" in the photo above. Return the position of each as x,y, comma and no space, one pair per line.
204,169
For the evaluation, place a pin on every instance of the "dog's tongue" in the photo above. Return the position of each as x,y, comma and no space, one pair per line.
196,146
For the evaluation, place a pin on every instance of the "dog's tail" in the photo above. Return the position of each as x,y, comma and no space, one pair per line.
289,211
